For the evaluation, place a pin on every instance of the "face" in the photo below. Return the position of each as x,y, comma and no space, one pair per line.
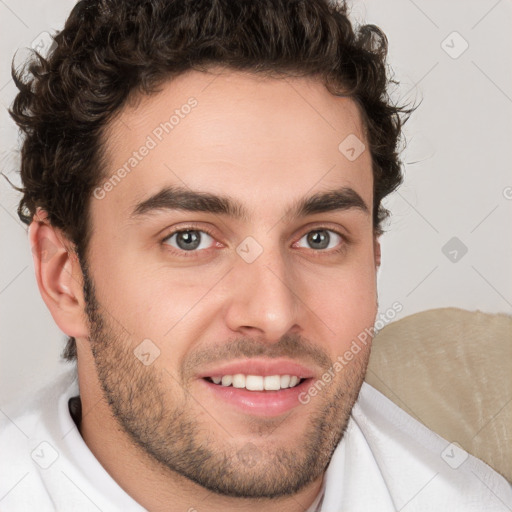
233,258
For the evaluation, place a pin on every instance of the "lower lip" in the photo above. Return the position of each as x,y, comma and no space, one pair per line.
261,403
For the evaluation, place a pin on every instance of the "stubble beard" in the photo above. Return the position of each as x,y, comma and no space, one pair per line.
162,419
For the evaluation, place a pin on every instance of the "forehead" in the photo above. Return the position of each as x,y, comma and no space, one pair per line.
260,139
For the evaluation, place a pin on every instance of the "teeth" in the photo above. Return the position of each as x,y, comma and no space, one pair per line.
272,383
285,381
239,381
254,383
257,382
227,380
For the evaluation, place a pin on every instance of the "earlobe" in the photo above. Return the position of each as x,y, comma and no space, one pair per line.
58,275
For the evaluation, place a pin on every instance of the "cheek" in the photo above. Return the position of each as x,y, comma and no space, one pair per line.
154,301
345,302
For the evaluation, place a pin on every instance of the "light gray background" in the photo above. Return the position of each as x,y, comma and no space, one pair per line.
458,180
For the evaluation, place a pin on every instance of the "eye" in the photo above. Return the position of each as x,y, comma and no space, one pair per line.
321,239
189,240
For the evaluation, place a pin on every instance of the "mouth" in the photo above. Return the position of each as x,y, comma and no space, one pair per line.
257,382
258,395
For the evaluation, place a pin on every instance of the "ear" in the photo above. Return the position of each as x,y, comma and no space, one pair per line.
376,250
59,276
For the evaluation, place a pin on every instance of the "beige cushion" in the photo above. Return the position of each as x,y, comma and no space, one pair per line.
451,369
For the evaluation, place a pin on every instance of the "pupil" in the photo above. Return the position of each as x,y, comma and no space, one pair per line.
319,239
188,240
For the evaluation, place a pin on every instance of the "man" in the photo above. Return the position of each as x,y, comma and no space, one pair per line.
203,183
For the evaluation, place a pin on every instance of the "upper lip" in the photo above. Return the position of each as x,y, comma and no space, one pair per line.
263,367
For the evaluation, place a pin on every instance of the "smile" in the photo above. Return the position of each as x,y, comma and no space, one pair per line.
257,382
254,394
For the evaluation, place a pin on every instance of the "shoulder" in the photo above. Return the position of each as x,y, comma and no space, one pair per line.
420,467
26,431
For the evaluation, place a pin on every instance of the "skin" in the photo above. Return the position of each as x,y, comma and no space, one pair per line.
266,143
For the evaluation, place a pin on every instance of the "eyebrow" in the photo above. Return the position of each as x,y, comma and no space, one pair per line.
178,198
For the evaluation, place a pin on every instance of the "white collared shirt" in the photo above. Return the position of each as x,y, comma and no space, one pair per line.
387,461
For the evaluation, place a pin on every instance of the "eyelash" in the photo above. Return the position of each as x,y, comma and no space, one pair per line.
194,254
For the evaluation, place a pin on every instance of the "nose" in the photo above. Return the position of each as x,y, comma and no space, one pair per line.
262,300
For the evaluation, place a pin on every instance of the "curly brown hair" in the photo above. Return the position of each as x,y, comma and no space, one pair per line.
110,50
